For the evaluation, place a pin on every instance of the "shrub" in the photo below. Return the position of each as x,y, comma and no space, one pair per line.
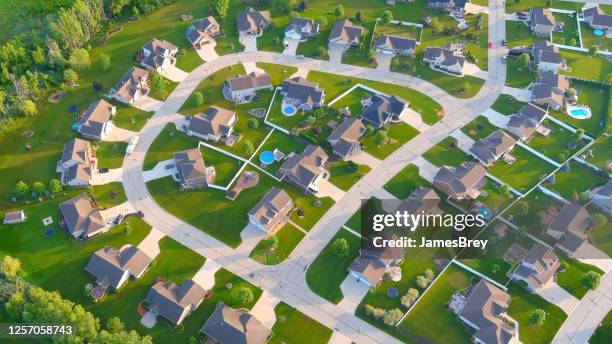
246,295
537,317
410,297
341,247
590,280
197,98
392,317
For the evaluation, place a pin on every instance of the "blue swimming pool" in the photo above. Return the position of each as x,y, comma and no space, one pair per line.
598,33
580,113
266,157
289,110
486,213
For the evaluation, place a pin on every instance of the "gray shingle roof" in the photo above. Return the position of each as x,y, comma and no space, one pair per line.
93,119
346,136
299,24
272,208
303,90
77,150
423,200
191,167
456,181
170,300
541,16
80,214
572,217
395,43
346,31
251,19
539,265
215,121
492,146
372,269
250,81
227,325
305,167
130,83
109,264
382,109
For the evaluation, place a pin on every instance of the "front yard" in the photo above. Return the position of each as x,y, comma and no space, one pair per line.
405,182
398,134
507,105
109,195
129,117
110,154
525,172
570,278
344,175
518,34
516,76
446,153
479,128
288,238
168,142
293,326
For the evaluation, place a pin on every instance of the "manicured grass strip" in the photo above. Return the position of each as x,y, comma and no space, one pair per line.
446,153
405,182
495,269
344,175
479,128
576,180
272,37
327,272
507,105
570,278
398,135
162,94
293,326
109,195
309,48
168,142
522,303
278,73
525,172
288,238
110,154
130,118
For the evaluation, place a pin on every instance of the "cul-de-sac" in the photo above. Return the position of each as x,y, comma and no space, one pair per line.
198,171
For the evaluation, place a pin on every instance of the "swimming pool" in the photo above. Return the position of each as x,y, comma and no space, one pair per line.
266,157
579,112
598,33
289,110
486,213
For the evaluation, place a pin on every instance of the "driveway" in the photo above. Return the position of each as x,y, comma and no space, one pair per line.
335,53
521,94
473,8
207,52
205,277
120,135
150,244
123,208
463,141
427,170
114,175
291,47
160,171
364,158
353,291
251,67
384,62
339,338
251,236
264,309
414,119
326,188
303,72
146,103
174,73
556,295
249,42
474,70
496,118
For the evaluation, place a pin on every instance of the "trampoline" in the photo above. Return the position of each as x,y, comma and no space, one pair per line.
392,292
49,232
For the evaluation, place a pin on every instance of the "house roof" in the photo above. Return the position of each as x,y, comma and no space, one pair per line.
483,308
227,325
372,269
462,178
250,19
95,116
527,119
190,165
272,208
204,24
299,24
109,264
395,43
382,108
539,264
346,31
79,214
572,240
215,121
130,82
170,300
303,90
78,172
572,217
250,81
76,150
541,16
432,53
533,112
591,11
346,135
602,20
159,48
491,147
606,190
451,59
305,167
422,200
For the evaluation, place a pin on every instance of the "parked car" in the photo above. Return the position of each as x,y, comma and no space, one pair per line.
103,170
140,213
503,42
118,219
490,45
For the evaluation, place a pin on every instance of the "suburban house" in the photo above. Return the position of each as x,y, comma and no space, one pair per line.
192,171
96,121
345,33
158,54
370,266
272,210
13,217
252,22
175,302
527,121
113,267
541,21
305,169
201,31
421,201
537,267
82,219
454,7
132,86
242,89
602,197
484,312
445,59
77,163
498,144
550,89
390,44
217,124
301,29
302,93
228,325
461,182
379,109
546,57
345,138
597,18
569,227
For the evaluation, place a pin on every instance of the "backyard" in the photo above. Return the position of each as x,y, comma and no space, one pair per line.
129,117
569,36
446,153
525,172
168,142
576,179
555,145
538,203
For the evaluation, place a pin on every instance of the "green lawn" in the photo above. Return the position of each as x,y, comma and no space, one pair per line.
212,89
517,77
288,238
570,278
479,128
110,154
398,135
278,73
601,149
567,5
596,99
168,142
228,42
212,219
507,105
327,272
293,326
430,320
225,166
398,30
538,202
130,118
109,195
334,85
495,269
344,177
578,179
282,142
513,6
162,94
358,56
461,87
522,303
352,100
588,67
272,37
518,34
309,48
570,30
555,144
405,182
604,332
589,39
277,117
495,199
446,153
525,172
